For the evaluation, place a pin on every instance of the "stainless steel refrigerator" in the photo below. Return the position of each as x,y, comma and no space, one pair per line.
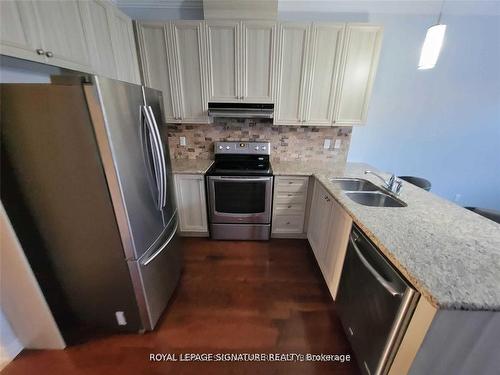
87,183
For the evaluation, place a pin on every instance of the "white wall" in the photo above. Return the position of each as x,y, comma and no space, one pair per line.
10,346
14,70
22,300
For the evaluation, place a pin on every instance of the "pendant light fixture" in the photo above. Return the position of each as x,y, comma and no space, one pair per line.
432,44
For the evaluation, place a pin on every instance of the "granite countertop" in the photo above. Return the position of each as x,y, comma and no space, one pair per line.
191,166
449,254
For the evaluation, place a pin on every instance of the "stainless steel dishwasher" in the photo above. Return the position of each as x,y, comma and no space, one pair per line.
375,304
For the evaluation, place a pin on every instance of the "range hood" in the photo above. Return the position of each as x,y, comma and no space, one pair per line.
241,110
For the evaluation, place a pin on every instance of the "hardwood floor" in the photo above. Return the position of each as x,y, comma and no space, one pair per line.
234,297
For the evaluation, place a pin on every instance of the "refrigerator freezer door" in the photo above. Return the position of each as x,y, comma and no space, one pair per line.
155,276
127,159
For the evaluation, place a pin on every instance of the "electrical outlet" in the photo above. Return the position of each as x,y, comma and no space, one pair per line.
182,141
337,144
327,144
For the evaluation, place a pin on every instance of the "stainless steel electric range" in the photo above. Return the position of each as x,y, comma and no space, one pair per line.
240,190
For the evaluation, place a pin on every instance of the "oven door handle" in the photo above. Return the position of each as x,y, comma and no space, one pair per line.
240,179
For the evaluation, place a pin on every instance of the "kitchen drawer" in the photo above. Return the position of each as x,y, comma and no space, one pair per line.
290,198
288,223
291,184
290,208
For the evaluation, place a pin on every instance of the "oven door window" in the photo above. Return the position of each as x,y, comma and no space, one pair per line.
240,197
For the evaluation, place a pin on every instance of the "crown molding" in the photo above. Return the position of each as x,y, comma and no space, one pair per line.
160,4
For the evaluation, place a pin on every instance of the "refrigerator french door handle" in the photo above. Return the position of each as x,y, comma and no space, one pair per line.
145,262
388,286
162,157
156,157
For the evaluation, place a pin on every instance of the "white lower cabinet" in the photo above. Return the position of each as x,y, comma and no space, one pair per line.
289,206
339,231
319,222
328,233
191,204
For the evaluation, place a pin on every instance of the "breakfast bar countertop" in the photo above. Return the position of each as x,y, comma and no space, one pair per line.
449,254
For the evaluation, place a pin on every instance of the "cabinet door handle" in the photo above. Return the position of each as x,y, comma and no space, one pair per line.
49,54
40,51
289,206
290,182
287,223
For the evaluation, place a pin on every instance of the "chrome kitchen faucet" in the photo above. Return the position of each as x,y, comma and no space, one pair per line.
393,184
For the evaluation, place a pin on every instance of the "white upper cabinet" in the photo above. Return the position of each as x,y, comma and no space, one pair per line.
293,42
18,32
91,36
51,32
223,60
157,64
173,60
188,47
122,36
357,73
317,74
258,56
98,31
324,61
61,27
240,61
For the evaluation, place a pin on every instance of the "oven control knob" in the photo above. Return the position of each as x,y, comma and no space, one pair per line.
220,147
256,148
263,147
228,147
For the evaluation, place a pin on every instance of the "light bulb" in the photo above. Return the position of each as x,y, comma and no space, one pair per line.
432,47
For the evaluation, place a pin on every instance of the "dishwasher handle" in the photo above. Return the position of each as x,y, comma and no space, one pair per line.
387,285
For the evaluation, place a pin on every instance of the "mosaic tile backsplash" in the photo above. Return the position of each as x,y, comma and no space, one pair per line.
288,143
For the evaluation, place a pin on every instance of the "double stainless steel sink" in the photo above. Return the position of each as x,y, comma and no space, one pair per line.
366,193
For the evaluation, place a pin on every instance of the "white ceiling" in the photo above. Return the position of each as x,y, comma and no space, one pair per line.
468,7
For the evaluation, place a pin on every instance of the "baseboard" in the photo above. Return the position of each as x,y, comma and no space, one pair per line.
193,234
289,235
